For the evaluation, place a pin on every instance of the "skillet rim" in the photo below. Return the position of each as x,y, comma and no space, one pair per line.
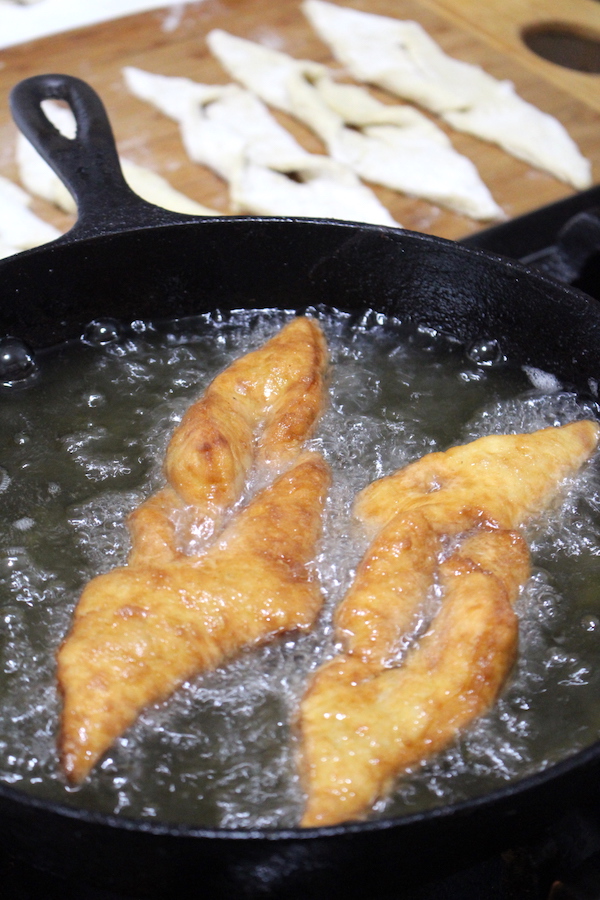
514,790
76,240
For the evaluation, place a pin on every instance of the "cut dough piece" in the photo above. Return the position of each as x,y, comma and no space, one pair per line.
320,191
394,146
402,58
7,249
41,180
261,69
415,158
20,228
231,131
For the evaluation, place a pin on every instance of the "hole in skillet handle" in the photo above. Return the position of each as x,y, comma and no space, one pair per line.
88,164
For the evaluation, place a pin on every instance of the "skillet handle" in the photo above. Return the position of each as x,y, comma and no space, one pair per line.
578,241
88,164
574,256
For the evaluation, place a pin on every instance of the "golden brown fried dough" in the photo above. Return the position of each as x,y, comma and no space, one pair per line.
261,408
362,725
140,631
152,529
390,586
505,479
447,523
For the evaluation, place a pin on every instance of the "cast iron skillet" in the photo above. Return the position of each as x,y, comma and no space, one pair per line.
128,260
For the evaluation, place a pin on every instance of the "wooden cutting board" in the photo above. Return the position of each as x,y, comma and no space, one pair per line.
172,42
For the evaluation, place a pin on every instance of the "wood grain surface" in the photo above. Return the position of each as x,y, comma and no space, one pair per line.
503,25
172,42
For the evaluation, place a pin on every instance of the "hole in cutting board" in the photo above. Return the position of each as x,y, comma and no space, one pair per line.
564,44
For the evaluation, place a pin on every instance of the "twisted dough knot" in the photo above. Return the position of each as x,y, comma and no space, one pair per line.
141,630
365,717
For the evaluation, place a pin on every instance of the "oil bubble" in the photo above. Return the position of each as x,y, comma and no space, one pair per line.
426,338
542,381
102,331
485,352
590,623
24,524
17,362
94,400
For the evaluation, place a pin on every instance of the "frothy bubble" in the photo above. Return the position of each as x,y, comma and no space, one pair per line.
485,353
102,331
590,623
222,750
542,381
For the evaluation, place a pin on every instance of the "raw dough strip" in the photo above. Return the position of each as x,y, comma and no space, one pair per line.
20,228
394,146
402,58
229,130
366,717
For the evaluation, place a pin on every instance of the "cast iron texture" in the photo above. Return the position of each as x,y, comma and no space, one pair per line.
127,260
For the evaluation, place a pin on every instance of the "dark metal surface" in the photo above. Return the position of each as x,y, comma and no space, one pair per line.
561,241
512,876
534,232
139,262
88,164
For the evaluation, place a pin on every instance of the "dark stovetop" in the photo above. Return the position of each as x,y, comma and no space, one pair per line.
511,876
563,865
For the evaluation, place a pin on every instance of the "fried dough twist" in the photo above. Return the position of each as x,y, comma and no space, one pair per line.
258,411
141,630
450,520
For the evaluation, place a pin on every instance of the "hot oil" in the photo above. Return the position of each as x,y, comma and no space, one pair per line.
82,443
